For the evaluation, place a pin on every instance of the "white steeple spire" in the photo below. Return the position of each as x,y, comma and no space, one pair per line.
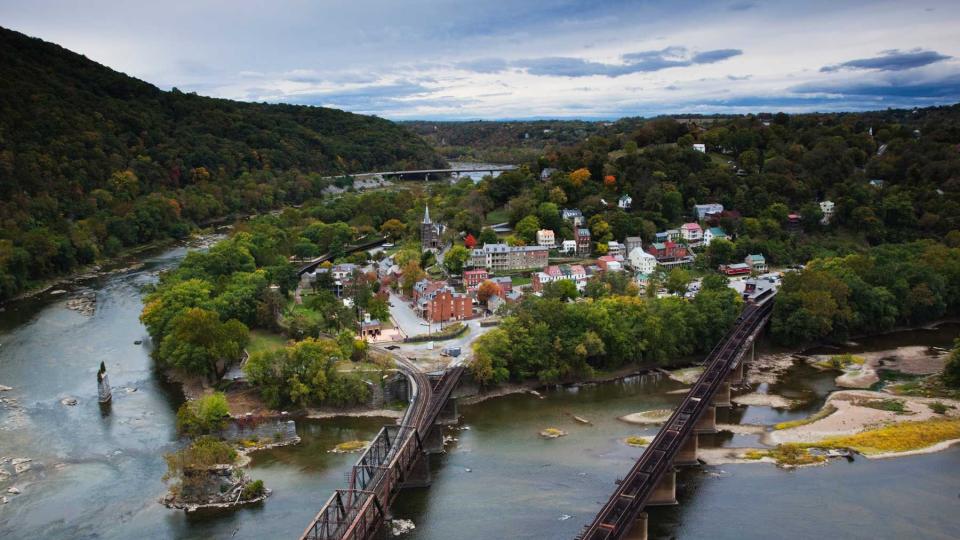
426,214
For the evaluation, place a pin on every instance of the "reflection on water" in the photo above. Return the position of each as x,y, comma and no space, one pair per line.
99,475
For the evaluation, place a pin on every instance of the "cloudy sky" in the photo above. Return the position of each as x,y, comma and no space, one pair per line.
406,59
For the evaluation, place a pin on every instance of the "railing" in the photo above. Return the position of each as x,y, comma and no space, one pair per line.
617,516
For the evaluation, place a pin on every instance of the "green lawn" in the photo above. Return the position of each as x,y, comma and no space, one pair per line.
499,215
263,341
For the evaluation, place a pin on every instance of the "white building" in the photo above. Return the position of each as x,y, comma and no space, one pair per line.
700,147
703,209
642,262
568,246
616,248
712,234
545,238
827,208
573,215
691,232
633,242
625,202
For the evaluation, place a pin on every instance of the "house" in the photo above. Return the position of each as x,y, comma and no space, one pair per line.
545,238
609,263
703,210
667,252
501,257
794,223
473,278
691,233
712,234
424,287
669,235
616,249
568,246
642,262
876,182
430,233
546,173
735,269
370,328
625,201
505,283
445,304
757,263
827,208
574,272
700,147
633,242
582,236
573,215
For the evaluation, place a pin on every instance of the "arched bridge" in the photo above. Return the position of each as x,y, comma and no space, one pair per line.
395,459
652,479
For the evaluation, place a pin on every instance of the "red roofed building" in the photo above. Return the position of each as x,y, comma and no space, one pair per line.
473,278
667,251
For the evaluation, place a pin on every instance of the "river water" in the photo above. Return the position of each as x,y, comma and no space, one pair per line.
97,474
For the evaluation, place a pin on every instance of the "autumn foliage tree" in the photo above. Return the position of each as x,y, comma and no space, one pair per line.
609,180
579,176
470,242
487,290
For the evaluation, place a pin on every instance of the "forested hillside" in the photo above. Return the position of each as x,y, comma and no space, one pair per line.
92,160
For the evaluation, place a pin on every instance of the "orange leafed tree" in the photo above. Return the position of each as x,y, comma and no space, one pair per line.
609,180
486,290
579,176
470,242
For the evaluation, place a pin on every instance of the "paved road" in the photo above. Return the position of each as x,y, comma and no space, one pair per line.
406,318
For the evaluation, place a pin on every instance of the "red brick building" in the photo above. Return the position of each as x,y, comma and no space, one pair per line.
473,278
445,305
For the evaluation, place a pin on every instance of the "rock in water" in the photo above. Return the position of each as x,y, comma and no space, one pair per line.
69,401
103,385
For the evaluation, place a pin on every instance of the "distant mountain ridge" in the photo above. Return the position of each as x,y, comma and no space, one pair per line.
92,160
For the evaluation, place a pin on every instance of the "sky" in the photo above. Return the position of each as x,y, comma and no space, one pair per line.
514,59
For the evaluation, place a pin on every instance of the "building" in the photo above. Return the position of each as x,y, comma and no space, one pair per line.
670,254
568,246
430,233
546,173
582,236
473,278
505,283
827,208
703,210
616,249
501,257
712,234
445,304
669,235
425,287
545,238
642,262
573,215
735,269
757,263
692,233
574,272
633,242
609,263
625,201
700,147
794,222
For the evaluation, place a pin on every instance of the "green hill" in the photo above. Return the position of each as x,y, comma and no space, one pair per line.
92,160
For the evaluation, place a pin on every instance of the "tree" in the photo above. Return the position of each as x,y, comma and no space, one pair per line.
527,229
486,291
455,259
487,236
562,289
412,273
199,344
951,371
579,176
203,416
469,241
393,228
678,280
720,251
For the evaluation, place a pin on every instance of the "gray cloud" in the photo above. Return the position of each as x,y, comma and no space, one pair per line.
635,62
889,86
892,60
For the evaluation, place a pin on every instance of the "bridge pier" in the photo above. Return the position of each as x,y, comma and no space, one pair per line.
433,440
687,455
665,494
722,397
708,422
419,474
449,414
639,529
735,377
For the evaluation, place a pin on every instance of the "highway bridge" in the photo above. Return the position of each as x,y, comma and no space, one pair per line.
396,458
425,173
652,479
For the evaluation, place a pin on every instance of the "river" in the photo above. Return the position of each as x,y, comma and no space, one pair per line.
97,474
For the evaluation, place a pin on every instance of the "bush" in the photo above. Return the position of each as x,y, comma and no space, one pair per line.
938,407
202,453
253,490
203,416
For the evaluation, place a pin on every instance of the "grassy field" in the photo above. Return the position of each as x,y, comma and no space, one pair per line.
499,215
897,437
263,341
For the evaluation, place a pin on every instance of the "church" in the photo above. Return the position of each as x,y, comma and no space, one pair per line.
430,233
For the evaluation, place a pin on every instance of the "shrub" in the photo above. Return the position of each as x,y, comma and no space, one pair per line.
819,415
898,437
202,453
891,405
253,490
203,416
938,407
